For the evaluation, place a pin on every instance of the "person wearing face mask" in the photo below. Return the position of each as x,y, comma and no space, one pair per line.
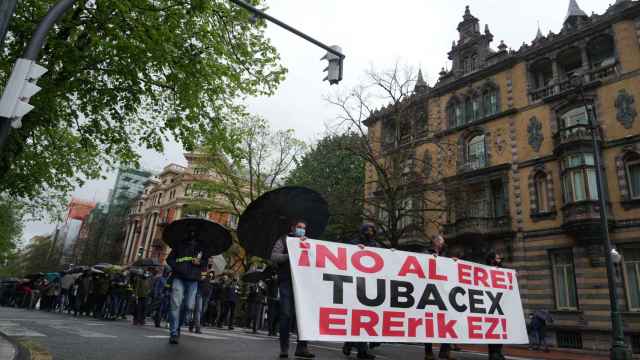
187,262
280,256
366,238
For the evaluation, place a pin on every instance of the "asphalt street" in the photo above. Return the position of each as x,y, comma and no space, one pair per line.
70,338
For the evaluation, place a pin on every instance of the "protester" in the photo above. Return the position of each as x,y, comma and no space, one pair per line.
538,326
273,304
142,290
202,301
66,283
495,350
438,249
158,296
254,300
366,237
230,291
187,262
280,256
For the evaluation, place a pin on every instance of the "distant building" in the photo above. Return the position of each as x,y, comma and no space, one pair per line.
129,185
166,198
77,213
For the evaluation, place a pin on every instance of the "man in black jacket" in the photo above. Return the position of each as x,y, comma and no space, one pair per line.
188,262
280,256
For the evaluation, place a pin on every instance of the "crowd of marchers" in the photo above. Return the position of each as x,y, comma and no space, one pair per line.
185,293
111,293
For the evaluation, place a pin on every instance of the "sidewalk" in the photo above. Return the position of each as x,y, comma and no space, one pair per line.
553,354
7,350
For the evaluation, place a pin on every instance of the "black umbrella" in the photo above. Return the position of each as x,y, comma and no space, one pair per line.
34,276
257,276
102,266
77,269
147,263
268,217
212,237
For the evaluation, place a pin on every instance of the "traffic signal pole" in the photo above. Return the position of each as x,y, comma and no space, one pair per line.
29,58
333,50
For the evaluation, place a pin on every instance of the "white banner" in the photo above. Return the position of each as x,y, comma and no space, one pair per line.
344,293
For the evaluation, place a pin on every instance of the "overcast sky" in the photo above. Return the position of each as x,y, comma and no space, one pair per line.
372,33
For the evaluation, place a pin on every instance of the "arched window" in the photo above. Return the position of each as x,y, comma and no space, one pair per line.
632,169
579,178
475,152
490,104
468,110
541,192
455,112
601,51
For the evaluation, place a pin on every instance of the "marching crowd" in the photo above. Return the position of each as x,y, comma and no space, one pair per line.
141,292
186,293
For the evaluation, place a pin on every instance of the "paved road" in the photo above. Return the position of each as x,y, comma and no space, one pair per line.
70,338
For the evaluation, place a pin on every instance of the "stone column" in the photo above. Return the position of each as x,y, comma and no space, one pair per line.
585,63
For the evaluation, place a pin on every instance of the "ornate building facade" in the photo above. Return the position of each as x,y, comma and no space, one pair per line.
510,137
169,196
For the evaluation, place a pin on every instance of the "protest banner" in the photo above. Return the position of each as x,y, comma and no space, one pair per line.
344,293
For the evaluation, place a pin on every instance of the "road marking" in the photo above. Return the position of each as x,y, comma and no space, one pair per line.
204,336
232,334
157,336
80,332
18,331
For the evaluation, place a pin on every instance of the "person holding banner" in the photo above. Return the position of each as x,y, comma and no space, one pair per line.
438,249
367,237
495,350
280,256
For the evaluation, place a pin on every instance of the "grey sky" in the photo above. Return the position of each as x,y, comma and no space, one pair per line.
372,33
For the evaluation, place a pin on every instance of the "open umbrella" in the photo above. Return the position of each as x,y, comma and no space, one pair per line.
268,217
77,269
146,263
257,276
212,237
102,266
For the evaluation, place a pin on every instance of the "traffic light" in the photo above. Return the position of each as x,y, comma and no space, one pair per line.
21,86
334,68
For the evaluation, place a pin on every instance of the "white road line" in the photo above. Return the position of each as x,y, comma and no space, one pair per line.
19,331
80,332
157,336
232,334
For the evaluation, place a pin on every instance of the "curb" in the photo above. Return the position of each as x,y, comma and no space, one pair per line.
18,352
27,349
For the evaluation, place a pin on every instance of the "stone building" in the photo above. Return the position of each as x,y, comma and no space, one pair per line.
509,134
169,196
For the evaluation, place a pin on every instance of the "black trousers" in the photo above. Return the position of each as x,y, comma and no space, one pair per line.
140,311
273,315
227,314
444,349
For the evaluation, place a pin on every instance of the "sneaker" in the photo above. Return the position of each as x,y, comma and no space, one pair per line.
198,331
346,349
428,356
173,340
284,353
366,355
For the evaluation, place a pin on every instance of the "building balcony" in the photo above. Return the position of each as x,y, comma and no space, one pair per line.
560,86
478,227
582,219
577,134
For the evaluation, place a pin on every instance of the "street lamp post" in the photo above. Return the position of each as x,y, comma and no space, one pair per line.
619,350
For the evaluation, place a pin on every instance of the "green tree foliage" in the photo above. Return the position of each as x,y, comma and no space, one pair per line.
126,74
257,160
337,174
10,233
42,254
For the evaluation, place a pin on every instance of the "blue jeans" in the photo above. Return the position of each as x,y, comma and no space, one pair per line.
181,291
